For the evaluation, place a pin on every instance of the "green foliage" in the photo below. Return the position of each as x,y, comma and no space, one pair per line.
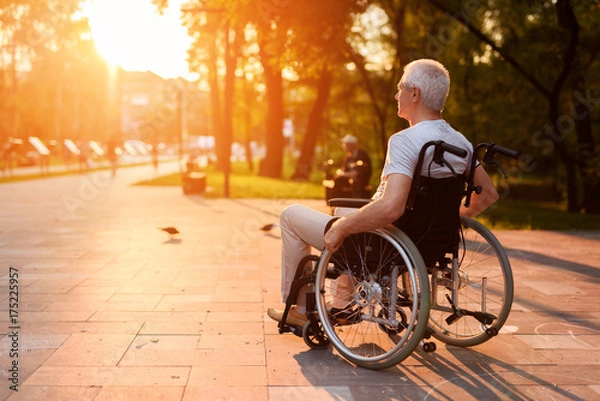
521,94
522,215
506,58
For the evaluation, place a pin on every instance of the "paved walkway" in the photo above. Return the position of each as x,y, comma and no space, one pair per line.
110,307
75,167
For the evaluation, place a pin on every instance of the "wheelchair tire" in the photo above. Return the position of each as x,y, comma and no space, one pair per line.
485,285
388,280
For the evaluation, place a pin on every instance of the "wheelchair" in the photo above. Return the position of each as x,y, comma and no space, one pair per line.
433,273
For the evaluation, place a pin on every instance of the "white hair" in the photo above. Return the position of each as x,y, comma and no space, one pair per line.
432,79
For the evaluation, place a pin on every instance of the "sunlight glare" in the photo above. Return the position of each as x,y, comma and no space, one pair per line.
133,35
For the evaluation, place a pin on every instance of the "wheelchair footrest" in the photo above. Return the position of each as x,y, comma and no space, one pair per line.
482,317
457,313
286,328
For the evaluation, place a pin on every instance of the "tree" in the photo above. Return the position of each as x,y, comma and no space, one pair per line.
219,27
270,34
319,31
214,21
533,20
285,33
55,82
384,81
539,54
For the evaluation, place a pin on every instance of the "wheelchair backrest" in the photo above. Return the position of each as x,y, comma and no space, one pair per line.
431,219
433,223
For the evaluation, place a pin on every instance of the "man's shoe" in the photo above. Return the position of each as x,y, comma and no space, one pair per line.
293,317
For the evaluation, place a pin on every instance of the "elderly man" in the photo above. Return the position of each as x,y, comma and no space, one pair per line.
352,179
421,96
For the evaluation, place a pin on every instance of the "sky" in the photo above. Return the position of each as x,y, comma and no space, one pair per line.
130,33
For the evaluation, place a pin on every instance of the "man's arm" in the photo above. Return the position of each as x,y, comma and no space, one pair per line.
376,214
488,195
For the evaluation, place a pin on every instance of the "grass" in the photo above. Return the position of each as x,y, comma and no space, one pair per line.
248,186
530,215
507,213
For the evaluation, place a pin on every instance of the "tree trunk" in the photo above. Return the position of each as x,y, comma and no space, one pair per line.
567,20
586,148
314,127
568,160
272,165
248,95
232,51
215,101
230,64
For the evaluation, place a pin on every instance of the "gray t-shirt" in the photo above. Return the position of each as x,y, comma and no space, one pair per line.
404,148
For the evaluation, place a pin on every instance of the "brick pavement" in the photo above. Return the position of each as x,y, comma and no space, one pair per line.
112,308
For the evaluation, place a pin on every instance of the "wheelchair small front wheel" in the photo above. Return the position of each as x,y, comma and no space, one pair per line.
315,338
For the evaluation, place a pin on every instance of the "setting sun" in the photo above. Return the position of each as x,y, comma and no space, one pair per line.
133,35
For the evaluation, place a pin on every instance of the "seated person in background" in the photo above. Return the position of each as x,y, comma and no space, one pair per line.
421,96
352,179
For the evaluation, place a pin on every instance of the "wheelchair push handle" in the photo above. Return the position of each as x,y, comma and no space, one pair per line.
438,157
455,150
494,148
438,154
491,150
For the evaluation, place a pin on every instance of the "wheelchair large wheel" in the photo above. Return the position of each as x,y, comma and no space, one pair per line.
381,279
471,308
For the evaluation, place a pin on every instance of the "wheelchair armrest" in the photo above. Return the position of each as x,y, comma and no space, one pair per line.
348,202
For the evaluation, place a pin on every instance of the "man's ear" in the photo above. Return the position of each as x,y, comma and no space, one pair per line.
416,93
